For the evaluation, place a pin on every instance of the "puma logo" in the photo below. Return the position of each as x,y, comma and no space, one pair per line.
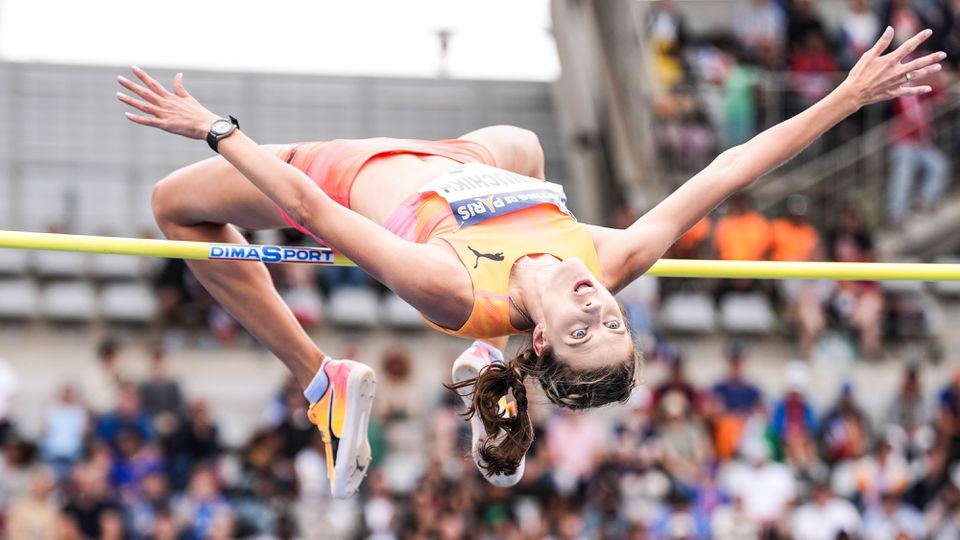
491,256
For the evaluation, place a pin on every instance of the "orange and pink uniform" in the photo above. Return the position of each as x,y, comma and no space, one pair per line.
488,249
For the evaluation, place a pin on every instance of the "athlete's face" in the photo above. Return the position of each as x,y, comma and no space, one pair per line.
583,323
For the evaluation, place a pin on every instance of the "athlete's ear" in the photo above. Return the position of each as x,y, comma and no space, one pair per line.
538,340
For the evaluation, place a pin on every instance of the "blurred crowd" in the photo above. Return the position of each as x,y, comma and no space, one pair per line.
118,458
839,319
778,57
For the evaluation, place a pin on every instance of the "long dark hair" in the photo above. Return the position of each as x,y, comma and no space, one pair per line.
510,436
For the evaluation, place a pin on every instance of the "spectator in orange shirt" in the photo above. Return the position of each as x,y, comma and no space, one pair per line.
741,235
690,245
795,239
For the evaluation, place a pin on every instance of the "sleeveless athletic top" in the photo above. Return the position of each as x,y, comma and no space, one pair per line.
491,217
502,216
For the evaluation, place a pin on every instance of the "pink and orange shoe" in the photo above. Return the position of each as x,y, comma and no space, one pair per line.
341,415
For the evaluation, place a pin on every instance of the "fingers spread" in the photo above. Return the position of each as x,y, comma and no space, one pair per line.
137,104
137,89
143,120
923,72
178,88
923,62
911,45
881,45
912,90
151,83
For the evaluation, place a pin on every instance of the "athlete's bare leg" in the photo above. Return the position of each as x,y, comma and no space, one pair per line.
198,202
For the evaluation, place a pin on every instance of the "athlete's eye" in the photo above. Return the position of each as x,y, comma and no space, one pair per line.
613,325
579,333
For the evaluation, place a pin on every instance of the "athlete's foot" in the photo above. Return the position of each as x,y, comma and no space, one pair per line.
467,366
341,414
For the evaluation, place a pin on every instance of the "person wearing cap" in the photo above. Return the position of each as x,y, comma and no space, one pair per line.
793,416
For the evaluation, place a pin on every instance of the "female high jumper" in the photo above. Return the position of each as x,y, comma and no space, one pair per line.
468,233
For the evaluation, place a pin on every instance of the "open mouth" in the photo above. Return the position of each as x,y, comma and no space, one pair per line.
584,286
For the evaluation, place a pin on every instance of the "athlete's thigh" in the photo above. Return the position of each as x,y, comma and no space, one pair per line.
214,191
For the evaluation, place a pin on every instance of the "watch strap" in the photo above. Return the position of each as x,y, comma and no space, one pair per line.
214,140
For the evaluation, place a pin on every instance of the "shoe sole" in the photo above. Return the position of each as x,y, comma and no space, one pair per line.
463,371
353,451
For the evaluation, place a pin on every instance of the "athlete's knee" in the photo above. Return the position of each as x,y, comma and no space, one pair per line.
164,199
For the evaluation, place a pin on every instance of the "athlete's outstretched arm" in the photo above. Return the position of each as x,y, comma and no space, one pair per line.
875,77
408,268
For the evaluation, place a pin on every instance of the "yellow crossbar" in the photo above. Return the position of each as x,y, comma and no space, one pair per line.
664,267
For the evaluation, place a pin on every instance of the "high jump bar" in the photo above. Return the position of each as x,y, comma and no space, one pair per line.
686,268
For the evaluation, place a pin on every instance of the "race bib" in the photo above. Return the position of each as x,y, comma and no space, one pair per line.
477,192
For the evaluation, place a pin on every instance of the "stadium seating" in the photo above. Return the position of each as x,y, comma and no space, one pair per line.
128,302
747,313
73,301
19,299
688,313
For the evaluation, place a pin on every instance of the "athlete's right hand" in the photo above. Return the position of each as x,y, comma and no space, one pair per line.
176,112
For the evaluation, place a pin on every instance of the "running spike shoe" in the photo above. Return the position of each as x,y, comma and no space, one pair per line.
342,415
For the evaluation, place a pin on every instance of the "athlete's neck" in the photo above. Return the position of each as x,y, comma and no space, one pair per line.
528,279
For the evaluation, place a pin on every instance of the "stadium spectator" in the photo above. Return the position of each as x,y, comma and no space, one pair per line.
667,35
893,519
401,398
171,286
845,431
126,417
914,150
858,304
691,245
203,512
35,516
766,487
948,416
859,29
811,66
740,114
741,235
683,439
903,16
802,22
89,510
909,413
676,381
573,464
737,399
796,239
793,416
9,384
65,424
160,393
100,383
760,26
826,517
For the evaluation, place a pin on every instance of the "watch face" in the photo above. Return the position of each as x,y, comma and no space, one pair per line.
221,127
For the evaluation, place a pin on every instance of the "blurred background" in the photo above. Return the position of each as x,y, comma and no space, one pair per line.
132,406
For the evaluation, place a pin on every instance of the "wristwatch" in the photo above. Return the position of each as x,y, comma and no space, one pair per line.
221,129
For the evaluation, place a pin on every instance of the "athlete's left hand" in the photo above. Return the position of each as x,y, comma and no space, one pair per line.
176,112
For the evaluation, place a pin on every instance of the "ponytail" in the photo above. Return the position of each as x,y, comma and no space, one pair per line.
509,436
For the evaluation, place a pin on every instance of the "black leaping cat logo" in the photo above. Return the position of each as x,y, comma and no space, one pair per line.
491,256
